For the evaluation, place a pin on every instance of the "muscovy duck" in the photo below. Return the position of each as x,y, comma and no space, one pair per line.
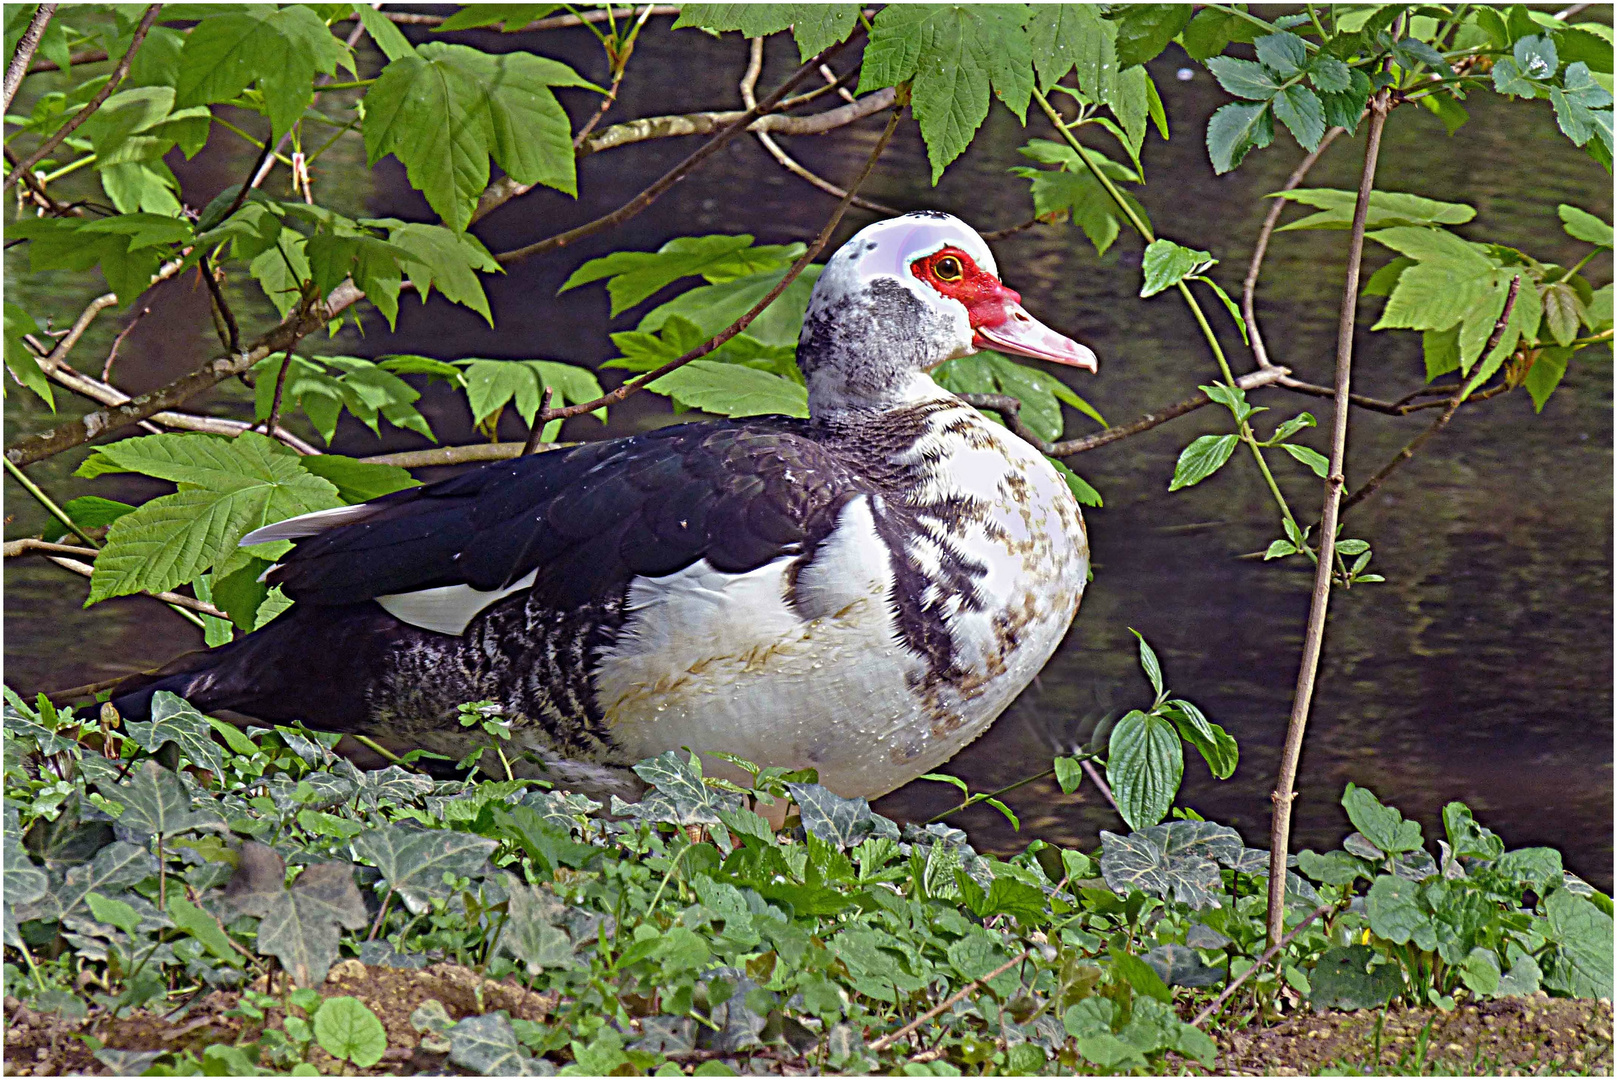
863,592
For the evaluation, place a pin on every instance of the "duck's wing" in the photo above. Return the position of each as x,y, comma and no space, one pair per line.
575,525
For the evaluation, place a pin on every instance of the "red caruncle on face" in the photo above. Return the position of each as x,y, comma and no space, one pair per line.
953,273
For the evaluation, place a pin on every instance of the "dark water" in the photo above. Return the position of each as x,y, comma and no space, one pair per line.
1480,671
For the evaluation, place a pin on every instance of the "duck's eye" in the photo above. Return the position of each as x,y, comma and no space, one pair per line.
948,269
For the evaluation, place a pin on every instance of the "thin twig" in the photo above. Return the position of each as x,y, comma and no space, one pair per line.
1250,285
1008,407
88,56
959,995
118,73
674,175
232,335
24,55
639,383
1452,406
452,455
621,66
87,690
1100,782
1012,230
171,598
1283,795
117,342
280,388
748,82
13,548
537,431
1262,960
555,22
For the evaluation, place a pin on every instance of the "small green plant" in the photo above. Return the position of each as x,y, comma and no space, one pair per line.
485,716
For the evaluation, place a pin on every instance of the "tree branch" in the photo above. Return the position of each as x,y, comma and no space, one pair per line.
24,54
639,382
1262,960
1249,287
1008,407
960,995
1313,640
101,95
89,56
305,319
555,22
176,599
748,81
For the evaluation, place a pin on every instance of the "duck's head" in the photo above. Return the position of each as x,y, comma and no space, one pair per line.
900,298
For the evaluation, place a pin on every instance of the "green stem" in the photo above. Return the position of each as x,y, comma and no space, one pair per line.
45,500
39,980
658,895
1255,21
1581,263
358,84
1184,290
986,795
329,143
282,158
72,166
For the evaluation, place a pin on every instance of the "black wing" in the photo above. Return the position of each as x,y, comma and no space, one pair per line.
739,494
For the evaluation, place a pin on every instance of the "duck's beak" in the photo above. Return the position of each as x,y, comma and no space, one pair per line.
999,321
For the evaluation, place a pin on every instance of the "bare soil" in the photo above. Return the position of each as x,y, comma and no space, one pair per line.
1536,1036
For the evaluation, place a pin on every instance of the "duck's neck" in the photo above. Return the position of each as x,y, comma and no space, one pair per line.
833,399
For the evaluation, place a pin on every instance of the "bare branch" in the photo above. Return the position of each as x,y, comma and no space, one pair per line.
454,455
888,1040
1314,637
305,319
24,54
555,22
101,95
232,334
14,548
1257,967
117,342
1250,285
1008,407
748,81
89,56
176,599
1012,230
537,433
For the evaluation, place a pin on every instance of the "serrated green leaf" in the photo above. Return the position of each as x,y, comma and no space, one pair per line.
446,109
1165,264
20,360
1080,488
732,390
816,27
952,55
1235,129
1282,52
1387,209
445,259
281,49
635,275
1244,78
1300,109
1144,30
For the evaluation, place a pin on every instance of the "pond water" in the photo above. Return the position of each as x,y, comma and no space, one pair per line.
1480,671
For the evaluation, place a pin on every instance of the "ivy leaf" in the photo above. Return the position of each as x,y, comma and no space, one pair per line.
174,720
1201,459
230,487
1299,108
1141,861
1387,209
681,796
530,936
487,1046
1235,129
300,925
635,275
25,882
155,803
1166,264
1382,825
281,49
732,390
827,815
114,868
445,109
413,860
816,27
952,55
1144,764
1582,225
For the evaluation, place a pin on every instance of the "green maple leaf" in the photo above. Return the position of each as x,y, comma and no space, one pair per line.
445,109
281,49
952,54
